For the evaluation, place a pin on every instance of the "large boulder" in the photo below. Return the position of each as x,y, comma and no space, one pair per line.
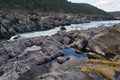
19,56
106,43
80,42
11,31
61,60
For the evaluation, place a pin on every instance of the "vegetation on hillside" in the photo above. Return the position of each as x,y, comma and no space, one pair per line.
51,6
116,13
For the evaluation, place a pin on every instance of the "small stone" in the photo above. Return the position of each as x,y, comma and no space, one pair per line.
116,58
62,28
61,60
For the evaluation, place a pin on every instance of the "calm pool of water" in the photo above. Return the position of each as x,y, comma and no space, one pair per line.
71,52
75,60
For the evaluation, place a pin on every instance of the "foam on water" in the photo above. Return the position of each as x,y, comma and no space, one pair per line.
82,26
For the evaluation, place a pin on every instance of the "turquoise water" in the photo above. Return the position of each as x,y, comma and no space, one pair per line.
82,26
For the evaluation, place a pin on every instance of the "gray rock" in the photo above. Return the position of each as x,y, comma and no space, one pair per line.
19,56
105,43
11,31
116,58
71,75
81,43
24,22
62,28
4,32
61,60
66,40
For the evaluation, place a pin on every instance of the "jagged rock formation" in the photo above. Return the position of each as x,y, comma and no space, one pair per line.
14,22
19,56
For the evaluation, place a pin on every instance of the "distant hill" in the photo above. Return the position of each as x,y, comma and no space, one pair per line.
51,6
116,13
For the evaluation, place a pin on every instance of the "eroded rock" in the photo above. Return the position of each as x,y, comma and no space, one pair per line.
106,43
61,60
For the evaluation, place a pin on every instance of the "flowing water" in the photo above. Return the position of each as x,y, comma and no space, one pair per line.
82,26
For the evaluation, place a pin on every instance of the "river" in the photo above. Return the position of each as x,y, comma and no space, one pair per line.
71,27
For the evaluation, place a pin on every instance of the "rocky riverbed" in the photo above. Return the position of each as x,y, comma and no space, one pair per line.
101,45
13,22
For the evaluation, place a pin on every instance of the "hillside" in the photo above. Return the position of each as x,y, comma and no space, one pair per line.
116,13
51,6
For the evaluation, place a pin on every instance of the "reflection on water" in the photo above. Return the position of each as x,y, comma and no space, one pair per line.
68,28
34,72
75,60
71,52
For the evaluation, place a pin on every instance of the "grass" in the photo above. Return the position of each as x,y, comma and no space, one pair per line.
104,67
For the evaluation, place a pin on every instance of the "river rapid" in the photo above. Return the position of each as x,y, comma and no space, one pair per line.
82,26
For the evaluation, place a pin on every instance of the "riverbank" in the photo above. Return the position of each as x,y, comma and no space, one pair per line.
13,22
83,26
101,44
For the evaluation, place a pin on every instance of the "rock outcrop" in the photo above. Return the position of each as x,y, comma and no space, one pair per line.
20,22
106,43
19,56
89,70
72,75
